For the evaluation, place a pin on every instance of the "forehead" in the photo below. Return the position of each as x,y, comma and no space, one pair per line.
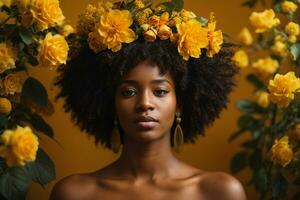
146,71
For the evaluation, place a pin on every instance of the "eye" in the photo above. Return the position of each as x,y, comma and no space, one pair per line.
128,92
160,92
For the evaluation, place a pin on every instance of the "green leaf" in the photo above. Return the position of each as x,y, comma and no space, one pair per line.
14,183
25,35
236,135
261,180
35,91
238,162
178,4
3,121
202,20
279,186
295,51
39,123
42,170
277,7
255,160
249,144
248,106
246,122
256,82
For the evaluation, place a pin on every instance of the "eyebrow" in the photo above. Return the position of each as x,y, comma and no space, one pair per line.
156,81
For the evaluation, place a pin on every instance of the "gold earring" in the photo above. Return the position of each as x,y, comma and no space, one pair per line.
178,134
115,140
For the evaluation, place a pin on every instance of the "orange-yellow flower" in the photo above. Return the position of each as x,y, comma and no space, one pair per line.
265,67
263,98
263,21
245,37
18,146
240,59
288,7
283,87
191,38
114,30
281,151
215,38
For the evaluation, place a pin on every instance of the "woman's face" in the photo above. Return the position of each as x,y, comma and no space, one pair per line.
146,103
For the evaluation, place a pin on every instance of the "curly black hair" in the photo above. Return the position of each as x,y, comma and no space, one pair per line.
88,83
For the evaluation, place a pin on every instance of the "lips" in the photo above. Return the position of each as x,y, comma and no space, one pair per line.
145,122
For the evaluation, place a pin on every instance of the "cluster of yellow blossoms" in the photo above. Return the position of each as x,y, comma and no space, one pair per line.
107,27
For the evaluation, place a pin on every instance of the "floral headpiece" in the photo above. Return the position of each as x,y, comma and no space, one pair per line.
109,25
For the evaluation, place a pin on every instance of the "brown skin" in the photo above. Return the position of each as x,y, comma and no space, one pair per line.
147,168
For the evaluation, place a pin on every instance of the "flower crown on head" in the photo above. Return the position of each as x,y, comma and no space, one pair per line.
109,25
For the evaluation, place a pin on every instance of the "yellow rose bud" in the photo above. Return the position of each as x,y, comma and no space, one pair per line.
292,28
175,21
292,38
281,151
288,7
279,48
282,88
164,32
264,68
53,51
174,38
240,59
245,37
8,57
5,106
27,19
145,27
18,146
150,35
154,20
262,99
67,30
46,13
187,15
10,85
263,21
164,18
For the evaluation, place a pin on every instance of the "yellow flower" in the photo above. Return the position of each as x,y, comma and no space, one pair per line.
281,151
293,38
288,7
46,13
7,57
264,68
262,99
114,29
95,43
150,35
10,85
67,30
245,37
154,20
292,28
187,15
5,106
191,38
283,87
19,146
53,51
215,38
139,4
263,21
164,18
174,21
240,59
141,18
164,32
279,48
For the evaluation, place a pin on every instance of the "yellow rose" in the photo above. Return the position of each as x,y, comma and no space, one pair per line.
262,99
164,32
53,51
150,35
283,87
288,7
154,20
240,59
19,146
10,85
281,151
67,30
114,29
279,48
7,57
191,38
46,13
292,28
264,68
215,38
263,21
174,21
245,37
164,18
95,43
5,106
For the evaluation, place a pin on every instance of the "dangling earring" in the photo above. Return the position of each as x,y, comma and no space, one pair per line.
178,134
115,140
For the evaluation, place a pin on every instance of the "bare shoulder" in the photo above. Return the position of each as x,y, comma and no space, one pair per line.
77,186
220,185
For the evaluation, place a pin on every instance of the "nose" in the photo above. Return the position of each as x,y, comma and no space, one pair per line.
145,102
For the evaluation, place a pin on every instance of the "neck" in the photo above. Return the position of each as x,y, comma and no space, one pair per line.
144,161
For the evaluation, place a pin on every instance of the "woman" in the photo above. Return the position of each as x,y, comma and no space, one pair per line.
126,88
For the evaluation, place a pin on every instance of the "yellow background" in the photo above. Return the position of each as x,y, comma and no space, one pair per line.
75,152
